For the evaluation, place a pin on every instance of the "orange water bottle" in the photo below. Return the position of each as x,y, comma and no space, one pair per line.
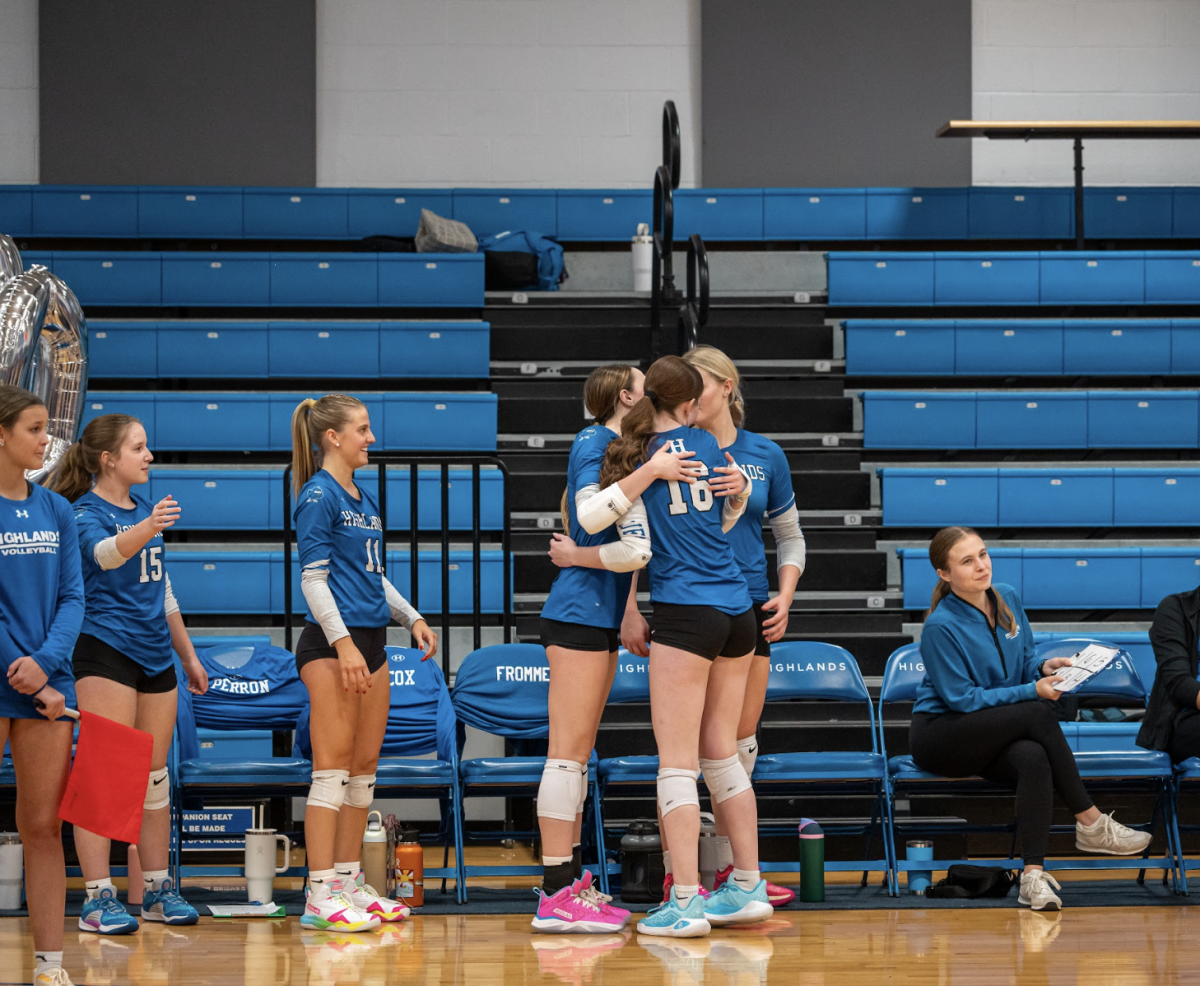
410,869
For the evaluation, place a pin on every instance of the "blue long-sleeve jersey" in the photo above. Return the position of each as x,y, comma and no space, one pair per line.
970,665
41,593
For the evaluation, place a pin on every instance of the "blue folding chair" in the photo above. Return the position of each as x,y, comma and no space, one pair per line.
1187,777
503,690
200,779
1122,769
629,776
804,670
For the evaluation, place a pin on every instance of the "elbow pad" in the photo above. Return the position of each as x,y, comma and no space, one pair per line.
632,551
170,604
314,583
597,509
789,539
107,556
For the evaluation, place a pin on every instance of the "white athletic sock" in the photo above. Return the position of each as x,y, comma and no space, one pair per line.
46,962
684,894
724,852
153,879
556,860
95,886
348,869
319,882
746,879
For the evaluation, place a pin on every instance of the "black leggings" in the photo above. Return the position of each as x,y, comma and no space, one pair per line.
1021,746
1185,737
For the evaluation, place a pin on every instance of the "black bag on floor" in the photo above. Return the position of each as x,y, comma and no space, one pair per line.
964,880
509,270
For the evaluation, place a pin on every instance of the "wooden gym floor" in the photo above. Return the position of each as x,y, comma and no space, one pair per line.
1131,946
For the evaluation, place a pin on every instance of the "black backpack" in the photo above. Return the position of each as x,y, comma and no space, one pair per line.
969,881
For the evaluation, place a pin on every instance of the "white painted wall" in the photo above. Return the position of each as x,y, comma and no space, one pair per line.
18,91
522,93
1086,60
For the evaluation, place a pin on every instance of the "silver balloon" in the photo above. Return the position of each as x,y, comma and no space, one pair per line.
43,348
10,260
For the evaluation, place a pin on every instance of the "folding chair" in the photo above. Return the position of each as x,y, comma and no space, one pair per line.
503,690
420,721
198,779
1114,769
1187,776
804,670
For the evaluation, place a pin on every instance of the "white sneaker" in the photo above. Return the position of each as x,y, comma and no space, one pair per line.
1036,892
55,977
1108,836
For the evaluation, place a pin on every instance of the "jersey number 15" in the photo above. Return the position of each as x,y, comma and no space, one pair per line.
152,569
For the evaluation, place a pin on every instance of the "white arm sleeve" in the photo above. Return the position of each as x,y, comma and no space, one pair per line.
107,556
172,606
314,583
734,507
597,509
789,539
633,550
401,611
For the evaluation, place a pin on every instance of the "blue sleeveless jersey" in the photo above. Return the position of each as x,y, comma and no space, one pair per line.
590,596
41,594
248,688
692,562
347,535
126,606
766,466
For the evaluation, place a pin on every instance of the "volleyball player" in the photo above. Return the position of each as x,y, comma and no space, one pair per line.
41,610
123,661
579,631
702,640
722,411
340,654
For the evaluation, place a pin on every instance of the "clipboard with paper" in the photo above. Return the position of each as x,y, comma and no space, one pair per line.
1085,664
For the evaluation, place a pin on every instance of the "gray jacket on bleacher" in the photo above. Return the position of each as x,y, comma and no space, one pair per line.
1173,634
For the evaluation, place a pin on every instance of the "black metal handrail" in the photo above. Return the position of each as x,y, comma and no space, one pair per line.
381,461
693,316
671,143
662,272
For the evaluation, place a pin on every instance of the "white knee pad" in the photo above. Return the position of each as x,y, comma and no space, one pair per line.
158,790
360,792
748,753
328,789
562,789
676,788
725,778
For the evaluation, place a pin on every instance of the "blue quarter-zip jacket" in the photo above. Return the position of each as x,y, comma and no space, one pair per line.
968,665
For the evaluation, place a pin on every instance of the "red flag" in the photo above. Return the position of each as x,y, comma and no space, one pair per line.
107,787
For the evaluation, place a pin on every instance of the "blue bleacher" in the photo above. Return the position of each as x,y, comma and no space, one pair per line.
220,421
1063,277
978,212
1044,497
1028,347
215,498
256,349
1087,578
333,278
1035,419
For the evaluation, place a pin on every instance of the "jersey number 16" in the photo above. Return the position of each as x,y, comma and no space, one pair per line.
701,495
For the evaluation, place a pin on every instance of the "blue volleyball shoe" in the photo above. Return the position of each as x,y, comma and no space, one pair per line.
105,915
670,920
167,906
733,905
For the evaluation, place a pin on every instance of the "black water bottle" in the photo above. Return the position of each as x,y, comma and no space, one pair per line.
642,870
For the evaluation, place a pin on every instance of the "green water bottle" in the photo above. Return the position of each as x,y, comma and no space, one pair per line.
812,862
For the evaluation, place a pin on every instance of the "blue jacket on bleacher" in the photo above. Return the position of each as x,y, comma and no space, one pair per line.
969,665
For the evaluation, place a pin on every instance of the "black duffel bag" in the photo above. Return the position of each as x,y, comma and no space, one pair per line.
965,880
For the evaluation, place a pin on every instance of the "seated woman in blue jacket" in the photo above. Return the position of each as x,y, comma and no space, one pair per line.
978,711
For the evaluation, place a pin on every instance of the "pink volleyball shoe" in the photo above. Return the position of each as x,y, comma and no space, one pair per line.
585,889
565,913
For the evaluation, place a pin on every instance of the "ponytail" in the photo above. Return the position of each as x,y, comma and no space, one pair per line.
77,470
304,456
626,453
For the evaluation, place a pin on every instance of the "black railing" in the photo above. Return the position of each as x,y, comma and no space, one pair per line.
662,272
414,461
671,144
693,316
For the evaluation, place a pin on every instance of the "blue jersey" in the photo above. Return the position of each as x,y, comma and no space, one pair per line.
692,562
590,596
126,606
334,529
41,594
766,466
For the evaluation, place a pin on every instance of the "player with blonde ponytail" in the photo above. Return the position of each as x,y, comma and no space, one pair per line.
340,654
